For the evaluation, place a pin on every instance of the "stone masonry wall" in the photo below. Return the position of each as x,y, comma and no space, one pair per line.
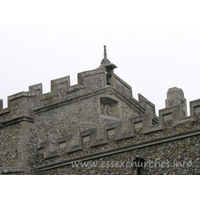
176,157
9,141
97,121
72,119
171,158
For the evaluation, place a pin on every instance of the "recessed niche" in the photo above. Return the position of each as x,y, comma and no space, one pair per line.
86,139
108,106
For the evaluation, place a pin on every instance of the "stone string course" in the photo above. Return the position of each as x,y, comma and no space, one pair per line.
99,121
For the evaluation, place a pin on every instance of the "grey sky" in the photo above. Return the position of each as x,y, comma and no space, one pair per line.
149,58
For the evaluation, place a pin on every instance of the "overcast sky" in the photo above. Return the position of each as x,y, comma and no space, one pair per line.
151,59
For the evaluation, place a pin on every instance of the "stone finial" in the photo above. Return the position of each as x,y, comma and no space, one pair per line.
105,53
105,61
175,92
175,96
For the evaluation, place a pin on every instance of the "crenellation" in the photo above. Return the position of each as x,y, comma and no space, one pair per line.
194,107
120,134
146,104
20,105
18,95
36,90
19,109
74,143
122,87
138,107
51,150
95,140
97,119
145,120
76,87
60,85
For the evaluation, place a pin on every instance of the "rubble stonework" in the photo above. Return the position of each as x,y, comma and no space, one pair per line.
97,122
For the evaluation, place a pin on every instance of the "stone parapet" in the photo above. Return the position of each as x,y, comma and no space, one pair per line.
95,119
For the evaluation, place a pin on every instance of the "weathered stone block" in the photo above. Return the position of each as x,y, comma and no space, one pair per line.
60,84
36,90
175,96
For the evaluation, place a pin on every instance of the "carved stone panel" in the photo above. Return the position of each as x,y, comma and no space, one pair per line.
108,106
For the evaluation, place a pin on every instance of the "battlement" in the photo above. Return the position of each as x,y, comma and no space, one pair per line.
61,91
97,118
142,122
89,82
